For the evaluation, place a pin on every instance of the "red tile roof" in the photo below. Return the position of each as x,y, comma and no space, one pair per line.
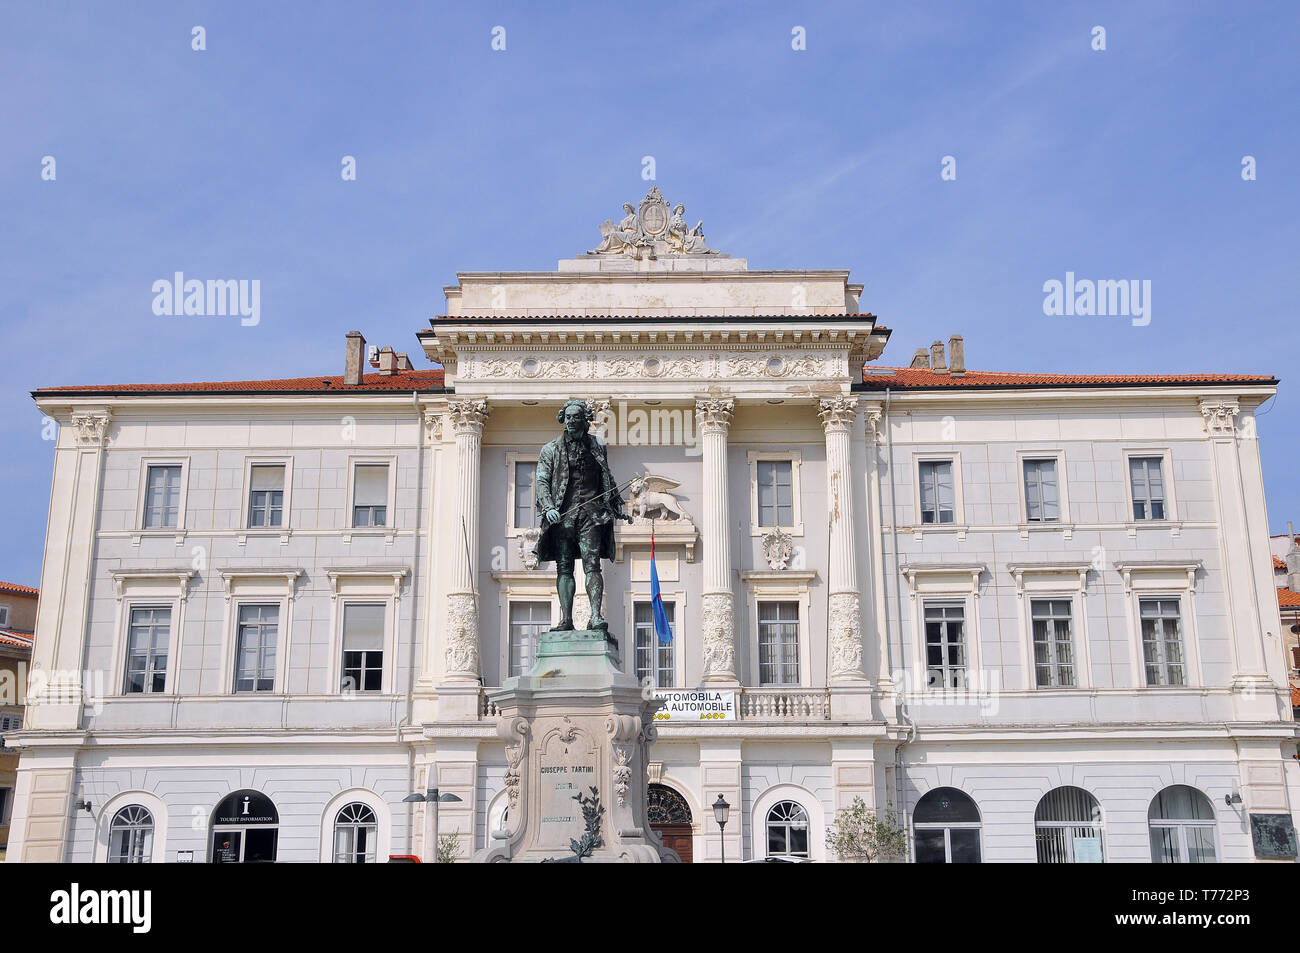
1288,599
18,590
921,378
21,640
1295,697
425,380
500,316
1278,563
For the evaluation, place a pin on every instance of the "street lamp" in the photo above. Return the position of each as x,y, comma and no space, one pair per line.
720,811
431,799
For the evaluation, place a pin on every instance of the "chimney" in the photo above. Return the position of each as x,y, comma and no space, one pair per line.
356,348
957,355
921,358
387,361
936,358
1292,562
403,362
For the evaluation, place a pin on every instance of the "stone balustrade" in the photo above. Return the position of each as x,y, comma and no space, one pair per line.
756,704
785,704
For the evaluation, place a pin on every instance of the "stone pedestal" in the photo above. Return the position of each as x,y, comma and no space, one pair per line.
575,723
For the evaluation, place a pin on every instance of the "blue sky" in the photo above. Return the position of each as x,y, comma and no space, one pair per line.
225,163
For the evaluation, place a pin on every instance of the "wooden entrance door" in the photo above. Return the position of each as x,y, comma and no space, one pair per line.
670,818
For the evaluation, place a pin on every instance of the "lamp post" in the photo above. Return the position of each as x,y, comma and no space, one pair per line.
431,799
720,811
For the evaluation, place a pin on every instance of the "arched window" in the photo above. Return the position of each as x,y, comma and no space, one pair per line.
1067,827
1181,819
787,830
130,836
355,834
947,828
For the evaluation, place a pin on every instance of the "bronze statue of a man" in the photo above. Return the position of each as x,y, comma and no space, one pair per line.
579,502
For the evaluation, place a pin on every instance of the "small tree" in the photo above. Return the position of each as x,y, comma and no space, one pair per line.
448,848
858,834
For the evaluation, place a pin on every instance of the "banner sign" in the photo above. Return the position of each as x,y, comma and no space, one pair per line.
698,704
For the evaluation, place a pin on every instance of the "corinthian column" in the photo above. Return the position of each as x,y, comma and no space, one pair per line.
461,644
718,615
844,622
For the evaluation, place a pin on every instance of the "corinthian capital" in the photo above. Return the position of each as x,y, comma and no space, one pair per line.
873,411
467,416
714,413
92,426
1219,414
838,413
432,425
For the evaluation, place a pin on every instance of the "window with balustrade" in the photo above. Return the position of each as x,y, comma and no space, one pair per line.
778,643
945,645
528,620
653,658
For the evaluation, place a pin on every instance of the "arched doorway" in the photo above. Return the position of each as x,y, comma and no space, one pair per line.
245,829
670,818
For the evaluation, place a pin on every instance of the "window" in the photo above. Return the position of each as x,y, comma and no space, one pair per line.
528,620
947,828
162,497
775,493
370,495
937,499
363,647
11,722
1053,650
255,648
146,649
130,836
1042,493
266,495
6,799
1067,827
945,645
4,616
355,835
1181,821
1162,646
654,660
1148,488
778,643
787,830
525,485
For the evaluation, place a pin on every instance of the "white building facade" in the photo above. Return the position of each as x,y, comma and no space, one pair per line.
1032,616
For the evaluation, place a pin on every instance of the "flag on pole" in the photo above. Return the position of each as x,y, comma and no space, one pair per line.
662,628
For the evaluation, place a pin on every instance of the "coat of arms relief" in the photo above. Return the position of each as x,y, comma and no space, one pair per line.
652,229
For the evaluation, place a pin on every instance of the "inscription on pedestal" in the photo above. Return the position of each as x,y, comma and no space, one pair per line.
564,771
